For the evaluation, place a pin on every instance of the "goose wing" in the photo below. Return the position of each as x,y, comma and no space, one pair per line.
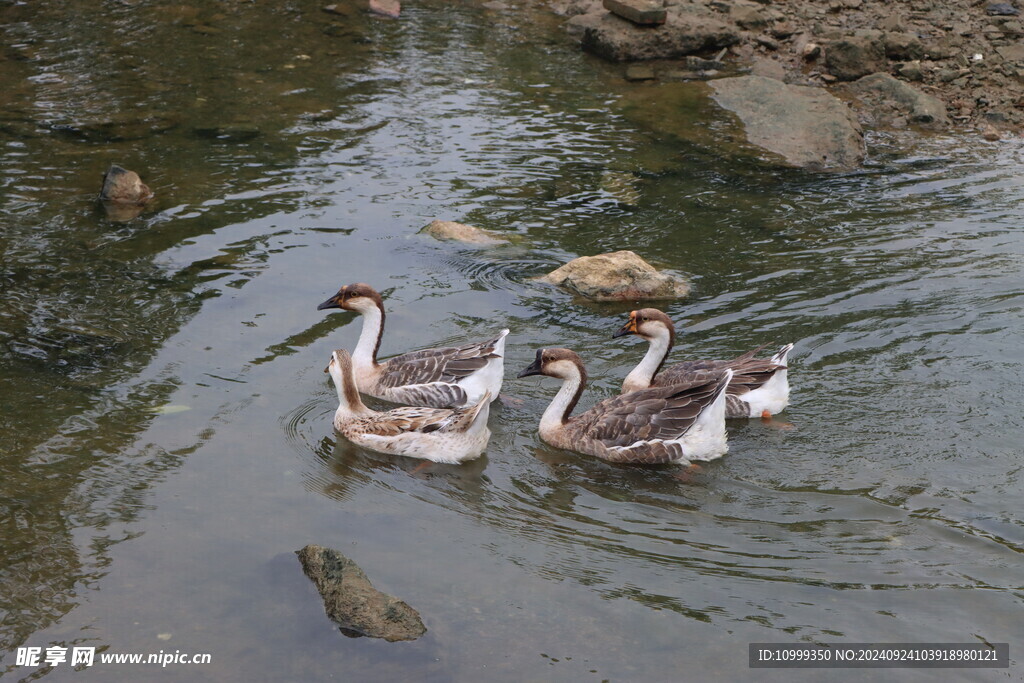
749,373
445,365
409,419
659,414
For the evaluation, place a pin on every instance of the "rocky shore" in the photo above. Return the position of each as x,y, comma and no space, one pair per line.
933,64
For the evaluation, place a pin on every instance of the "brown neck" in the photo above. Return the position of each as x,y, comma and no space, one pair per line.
348,393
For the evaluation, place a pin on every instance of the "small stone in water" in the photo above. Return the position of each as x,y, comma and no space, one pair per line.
169,409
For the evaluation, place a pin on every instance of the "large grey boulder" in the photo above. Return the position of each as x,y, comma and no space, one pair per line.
683,33
804,126
353,603
618,276
883,90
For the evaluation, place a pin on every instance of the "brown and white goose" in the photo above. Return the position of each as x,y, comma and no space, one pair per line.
677,424
759,386
439,378
448,435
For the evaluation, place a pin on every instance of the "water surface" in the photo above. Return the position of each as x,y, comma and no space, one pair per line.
167,441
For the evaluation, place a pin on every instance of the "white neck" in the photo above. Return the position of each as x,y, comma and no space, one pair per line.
643,374
553,419
373,321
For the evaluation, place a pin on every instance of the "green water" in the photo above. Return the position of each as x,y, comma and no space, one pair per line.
166,441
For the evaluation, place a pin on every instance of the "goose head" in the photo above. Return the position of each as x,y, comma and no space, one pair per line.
649,324
560,363
359,297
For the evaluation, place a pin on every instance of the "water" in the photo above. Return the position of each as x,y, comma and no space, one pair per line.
167,442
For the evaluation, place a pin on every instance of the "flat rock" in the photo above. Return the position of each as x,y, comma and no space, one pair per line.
459,232
1001,9
353,603
1011,53
386,8
642,12
617,276
683,33
919,107
850,58
806,127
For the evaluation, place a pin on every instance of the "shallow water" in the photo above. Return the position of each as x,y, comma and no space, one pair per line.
167,441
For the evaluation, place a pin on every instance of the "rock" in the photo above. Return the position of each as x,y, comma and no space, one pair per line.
1011,53
748,16
622,186
232,132
386,8
576,7
902,46
124,195
768,68
640,72
340,10
459,232
850,58
806,127
353,603
990,133
618,276
911,71
905,98
124,187
1001,9
810,51
682,33
640,12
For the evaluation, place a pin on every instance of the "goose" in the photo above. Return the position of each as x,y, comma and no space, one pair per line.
759,387
439,378
677,424
446,435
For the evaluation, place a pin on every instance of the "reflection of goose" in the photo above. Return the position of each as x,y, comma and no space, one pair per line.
448,435
759,387
674,424
442,377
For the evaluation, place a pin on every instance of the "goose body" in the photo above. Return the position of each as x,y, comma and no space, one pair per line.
675,424
759,386
447,435
440,377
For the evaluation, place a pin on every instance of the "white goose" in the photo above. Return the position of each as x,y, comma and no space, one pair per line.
447,435
676,424
439,378
759,387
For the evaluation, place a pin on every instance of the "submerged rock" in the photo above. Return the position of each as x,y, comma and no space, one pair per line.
683,33
353,603
459,232
917,106
124,195
806,127
620,275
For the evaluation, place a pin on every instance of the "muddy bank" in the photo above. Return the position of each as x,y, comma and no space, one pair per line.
968,56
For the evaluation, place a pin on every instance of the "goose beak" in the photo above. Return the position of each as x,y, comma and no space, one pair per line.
330,303
533,369
628,328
